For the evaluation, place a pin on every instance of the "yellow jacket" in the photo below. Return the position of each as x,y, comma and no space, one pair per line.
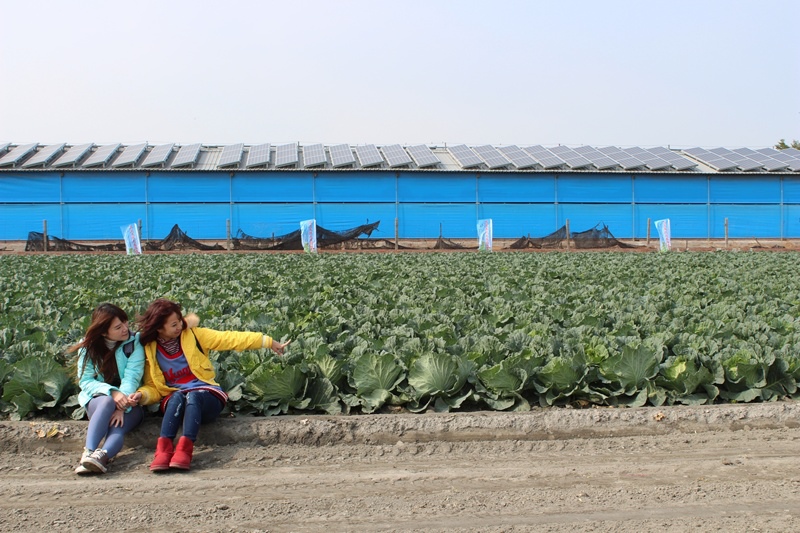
155,386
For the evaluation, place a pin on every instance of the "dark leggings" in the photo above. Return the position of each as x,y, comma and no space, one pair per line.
100,409
189,409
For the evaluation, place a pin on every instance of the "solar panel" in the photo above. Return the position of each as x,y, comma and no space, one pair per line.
73,155
258,155
597,158
286,155
187,156
674,159
715,161
341,155
395,156
572,158
231,155
422,156
769,164
626,161
101,155
517,157
650,160
4,147
314,155
465,157
368,155
491,156
44,156
158,155
545,157
17,154
793,162
130,155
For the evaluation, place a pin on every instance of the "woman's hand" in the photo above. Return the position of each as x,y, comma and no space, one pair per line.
134,399
279,347
120,399
117,419
192,320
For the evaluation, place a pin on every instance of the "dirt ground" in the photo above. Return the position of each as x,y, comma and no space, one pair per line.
712,468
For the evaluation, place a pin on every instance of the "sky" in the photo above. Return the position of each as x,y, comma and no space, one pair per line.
678,73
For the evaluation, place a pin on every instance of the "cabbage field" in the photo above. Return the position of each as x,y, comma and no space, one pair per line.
442,331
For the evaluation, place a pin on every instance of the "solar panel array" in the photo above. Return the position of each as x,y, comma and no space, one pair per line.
518,157
464,156
158,155
545,158
17,154
73,155
102,155
187,156
231,155
598,158
314,155
423,156
342,156
395,156
130,155
368,155
293,155
747,160
491,156
286,155
44,156
258,155
572,158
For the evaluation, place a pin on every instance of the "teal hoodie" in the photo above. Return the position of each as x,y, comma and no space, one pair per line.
130,364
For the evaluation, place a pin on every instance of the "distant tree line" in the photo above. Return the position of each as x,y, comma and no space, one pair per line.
783,146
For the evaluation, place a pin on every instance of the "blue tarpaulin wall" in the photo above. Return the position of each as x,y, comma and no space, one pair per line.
84,205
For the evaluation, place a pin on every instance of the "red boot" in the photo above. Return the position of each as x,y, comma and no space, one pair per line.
182,459
163,455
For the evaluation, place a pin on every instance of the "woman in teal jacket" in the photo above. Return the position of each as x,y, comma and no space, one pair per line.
110,366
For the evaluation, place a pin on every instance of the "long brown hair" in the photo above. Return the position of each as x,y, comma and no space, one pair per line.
153,319
94,341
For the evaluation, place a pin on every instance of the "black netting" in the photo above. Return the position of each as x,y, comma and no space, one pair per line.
597,237
447,244
35,243
549,241
292,241
178,240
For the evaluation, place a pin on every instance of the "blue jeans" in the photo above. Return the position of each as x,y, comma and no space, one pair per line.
99,409
189,409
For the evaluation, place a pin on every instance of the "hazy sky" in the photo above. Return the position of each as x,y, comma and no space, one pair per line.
600,72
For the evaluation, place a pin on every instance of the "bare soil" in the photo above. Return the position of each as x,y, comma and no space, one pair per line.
709,468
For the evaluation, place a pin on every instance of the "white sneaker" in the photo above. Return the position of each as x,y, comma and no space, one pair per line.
97,461
80,469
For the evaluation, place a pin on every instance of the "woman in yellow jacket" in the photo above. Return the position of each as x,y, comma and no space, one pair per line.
179,375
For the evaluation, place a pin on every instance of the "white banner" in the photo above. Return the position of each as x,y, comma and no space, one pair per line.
485,235
130,234
665,242
308,234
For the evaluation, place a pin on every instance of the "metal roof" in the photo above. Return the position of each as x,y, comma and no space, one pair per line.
34,157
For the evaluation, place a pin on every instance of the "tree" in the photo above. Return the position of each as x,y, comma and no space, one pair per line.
783,146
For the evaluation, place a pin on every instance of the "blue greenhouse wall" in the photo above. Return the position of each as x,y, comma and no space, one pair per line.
94,205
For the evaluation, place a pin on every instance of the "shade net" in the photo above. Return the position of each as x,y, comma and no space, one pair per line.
553,240
35,243
292,241
597,237
178,240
